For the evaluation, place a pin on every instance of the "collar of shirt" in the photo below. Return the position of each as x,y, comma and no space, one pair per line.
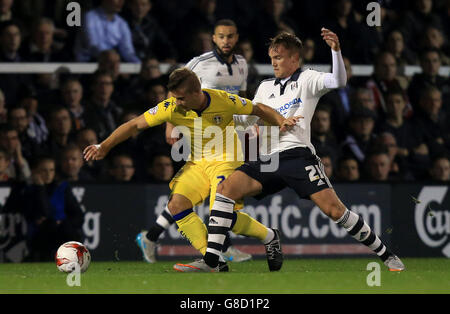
293,77
208,102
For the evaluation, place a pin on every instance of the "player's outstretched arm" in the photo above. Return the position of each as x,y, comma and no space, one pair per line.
272,117
122,133
338,77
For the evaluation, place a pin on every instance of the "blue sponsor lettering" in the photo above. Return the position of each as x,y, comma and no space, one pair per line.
293,103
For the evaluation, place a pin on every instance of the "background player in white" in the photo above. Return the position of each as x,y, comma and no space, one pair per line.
293,92
220,69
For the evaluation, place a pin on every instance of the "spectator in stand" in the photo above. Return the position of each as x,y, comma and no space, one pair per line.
347,169
385,78
37,127
154,93
71,165
417,20
200,43
121,168
431,121
5,10
360,138
109,61
269,22
197,25
10,41
309,47
72,99
149,38
3,108
51,210
160,169
20,121
61,131
150,72
430,63
19,168
433,38
5,160
362,97
328,163
399,164
101,112
245,48
84,138
322,136
42,47
440,168
396,124
358,42
395,44
378,166
105,29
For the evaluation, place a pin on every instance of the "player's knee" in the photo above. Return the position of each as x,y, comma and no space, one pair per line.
224,189
174,206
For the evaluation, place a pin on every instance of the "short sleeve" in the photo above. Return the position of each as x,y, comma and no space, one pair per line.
159,114
241,105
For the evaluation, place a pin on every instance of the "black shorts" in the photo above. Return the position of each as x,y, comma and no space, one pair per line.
298,169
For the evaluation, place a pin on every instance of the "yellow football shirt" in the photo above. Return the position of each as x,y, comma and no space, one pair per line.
210,133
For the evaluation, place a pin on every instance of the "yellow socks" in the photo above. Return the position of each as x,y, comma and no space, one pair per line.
192,228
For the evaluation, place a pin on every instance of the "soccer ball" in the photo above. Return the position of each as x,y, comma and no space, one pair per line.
70,254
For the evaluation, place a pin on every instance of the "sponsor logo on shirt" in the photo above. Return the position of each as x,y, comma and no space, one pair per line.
295,103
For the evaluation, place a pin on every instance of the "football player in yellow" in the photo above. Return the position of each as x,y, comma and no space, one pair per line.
195,109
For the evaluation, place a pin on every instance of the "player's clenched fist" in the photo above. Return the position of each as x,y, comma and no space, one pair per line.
94,152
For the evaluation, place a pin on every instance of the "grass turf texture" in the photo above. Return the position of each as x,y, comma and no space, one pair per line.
423,275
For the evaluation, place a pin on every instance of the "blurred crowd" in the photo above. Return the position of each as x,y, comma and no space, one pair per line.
383,127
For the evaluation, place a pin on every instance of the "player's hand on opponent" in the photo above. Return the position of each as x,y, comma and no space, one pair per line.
331,39
94,152
289,123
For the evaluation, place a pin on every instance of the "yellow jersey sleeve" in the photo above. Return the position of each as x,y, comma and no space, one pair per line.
159,114
241,105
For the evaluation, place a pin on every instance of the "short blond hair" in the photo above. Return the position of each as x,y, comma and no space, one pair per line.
183,77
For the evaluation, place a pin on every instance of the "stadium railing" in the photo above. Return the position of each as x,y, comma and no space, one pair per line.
131,68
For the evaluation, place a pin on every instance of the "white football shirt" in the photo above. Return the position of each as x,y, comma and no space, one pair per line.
215,73
294,96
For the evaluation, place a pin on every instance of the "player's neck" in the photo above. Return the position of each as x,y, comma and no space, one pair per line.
204,102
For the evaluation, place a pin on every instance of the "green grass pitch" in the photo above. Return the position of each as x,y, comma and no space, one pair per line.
423,275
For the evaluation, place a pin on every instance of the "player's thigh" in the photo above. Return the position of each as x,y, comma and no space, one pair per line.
238,185
219,174
190,182
330,204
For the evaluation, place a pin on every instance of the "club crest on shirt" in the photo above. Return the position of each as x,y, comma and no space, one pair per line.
217,119
166,105
244,102
294,85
